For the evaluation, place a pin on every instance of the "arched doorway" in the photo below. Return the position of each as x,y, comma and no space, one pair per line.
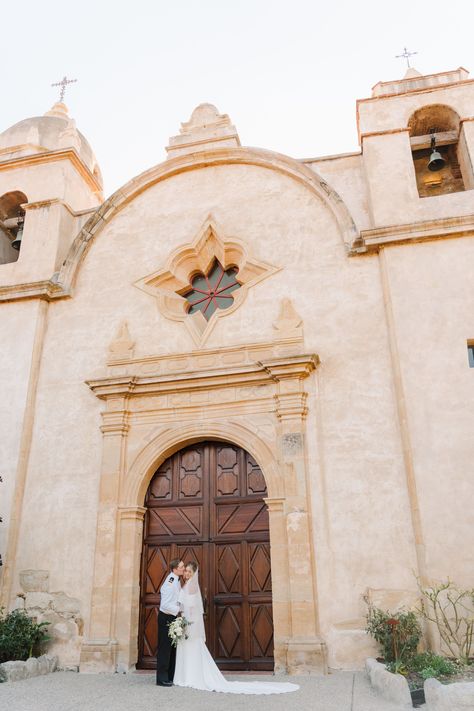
205,503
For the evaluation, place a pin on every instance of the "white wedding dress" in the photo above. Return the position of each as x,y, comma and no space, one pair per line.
194,665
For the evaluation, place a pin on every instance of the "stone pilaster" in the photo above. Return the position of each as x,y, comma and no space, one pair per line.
305,651
100,648
128,585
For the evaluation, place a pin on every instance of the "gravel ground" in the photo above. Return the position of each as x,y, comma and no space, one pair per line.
68,691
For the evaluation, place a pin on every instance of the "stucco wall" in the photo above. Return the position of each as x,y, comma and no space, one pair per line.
355,461
18,323
433,304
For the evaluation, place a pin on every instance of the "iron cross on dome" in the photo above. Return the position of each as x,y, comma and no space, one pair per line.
63,84
406,54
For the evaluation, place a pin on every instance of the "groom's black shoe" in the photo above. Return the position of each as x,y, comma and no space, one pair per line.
164,683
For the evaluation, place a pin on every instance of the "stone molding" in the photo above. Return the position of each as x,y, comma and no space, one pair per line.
295,367
424,231
51,157
215,358
46,289
132,513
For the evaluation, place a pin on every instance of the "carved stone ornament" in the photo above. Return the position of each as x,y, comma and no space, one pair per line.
122,346
169,285
288,324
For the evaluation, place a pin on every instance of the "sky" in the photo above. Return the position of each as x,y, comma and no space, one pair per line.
288,73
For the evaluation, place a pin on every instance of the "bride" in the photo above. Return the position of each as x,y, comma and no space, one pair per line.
194,665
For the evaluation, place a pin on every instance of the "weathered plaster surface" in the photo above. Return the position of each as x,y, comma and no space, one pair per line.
367,449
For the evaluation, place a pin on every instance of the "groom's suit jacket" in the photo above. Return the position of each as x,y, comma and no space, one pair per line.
169,595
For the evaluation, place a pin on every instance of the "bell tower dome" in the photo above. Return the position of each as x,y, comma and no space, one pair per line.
49,178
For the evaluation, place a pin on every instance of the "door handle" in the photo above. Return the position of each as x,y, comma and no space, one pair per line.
204,601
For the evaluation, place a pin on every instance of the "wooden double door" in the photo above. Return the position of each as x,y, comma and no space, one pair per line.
205,503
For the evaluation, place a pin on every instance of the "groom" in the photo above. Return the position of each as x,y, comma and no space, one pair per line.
169,610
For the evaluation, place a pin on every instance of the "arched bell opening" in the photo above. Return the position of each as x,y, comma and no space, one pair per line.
12,218
439,151
206,503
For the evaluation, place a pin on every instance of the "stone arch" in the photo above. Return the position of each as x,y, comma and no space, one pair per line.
171,440
440,117
437,127
12,217
224,156
241,552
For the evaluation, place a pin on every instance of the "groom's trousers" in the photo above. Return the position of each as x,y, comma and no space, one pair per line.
166,655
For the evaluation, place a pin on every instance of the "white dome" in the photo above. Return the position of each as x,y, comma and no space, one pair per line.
53,131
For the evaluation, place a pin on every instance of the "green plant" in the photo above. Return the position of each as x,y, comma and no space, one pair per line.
20,635
451,609
397,667
398,634
429,664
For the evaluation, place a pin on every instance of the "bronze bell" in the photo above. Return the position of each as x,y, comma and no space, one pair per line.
436,161
16,244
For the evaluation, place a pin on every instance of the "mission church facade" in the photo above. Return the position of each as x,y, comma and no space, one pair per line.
261,363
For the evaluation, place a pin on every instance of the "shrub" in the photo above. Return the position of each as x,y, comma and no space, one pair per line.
20,636
397,634
429,664
451,609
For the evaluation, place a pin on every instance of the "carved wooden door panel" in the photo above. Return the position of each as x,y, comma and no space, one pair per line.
205,504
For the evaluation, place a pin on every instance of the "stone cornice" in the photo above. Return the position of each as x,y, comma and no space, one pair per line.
132,513
51,157
46,289
209,358
427,230
258,373
40,204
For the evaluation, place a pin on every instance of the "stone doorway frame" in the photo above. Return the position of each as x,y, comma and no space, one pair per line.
252,396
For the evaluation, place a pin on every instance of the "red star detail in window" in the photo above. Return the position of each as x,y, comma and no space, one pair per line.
212,291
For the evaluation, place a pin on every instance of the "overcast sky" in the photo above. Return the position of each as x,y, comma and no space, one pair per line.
287,72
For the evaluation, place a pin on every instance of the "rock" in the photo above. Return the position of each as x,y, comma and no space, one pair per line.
393,687
51,617
52,662
64,630
449,697
17,670
34,580
32,667
19,603
43,664
65,605
14,671
38,600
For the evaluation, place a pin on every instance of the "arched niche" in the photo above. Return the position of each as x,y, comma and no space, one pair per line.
438,127
11,225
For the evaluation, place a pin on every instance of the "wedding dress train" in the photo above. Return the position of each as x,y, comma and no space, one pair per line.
194,665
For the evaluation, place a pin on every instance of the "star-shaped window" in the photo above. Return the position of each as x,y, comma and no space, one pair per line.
213,290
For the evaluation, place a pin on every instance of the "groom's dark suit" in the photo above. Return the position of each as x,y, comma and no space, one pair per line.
169,608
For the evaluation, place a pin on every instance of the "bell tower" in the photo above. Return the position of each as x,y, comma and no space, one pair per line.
417,139
49,182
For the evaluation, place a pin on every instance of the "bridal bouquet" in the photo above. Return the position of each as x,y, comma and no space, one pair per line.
177,630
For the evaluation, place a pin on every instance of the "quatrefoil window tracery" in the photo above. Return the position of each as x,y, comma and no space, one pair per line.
213,290
205,280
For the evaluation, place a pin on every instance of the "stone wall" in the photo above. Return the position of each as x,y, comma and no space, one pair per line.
59,609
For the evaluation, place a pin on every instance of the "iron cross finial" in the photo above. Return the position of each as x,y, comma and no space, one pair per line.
63,84
406,54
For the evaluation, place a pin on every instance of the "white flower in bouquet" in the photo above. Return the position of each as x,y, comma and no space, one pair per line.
177,630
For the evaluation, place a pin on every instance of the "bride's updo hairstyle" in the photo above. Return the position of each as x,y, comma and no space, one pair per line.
192,565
